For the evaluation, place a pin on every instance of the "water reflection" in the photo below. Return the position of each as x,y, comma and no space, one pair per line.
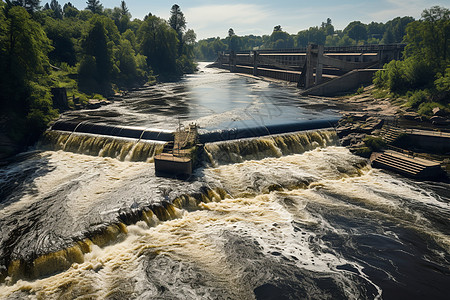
213,99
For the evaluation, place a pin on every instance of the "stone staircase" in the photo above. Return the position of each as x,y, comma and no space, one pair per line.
390,134
410,166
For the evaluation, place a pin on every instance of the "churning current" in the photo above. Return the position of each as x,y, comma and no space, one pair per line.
287,216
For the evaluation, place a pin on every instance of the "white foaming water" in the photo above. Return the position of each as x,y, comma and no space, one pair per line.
278,222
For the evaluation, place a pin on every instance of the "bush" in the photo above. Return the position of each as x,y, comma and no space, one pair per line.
426,108
374,143
417,98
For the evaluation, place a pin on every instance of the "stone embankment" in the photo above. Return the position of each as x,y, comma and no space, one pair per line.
377,126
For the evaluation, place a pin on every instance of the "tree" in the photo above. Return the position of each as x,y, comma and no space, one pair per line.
396,28
190,37
94,6
177,20
313,35
57,10
428,39
279,39
231,32
327,28
158,42
356,31
30,5
124,9
70,11
23,63
61,33
96,66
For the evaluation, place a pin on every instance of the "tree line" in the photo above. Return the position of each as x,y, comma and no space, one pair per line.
95,50
355,33
423,76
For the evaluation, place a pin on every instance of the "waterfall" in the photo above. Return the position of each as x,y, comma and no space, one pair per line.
236,151
124,149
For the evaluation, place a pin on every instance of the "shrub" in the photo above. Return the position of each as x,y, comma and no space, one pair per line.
426,108
375,143
416,98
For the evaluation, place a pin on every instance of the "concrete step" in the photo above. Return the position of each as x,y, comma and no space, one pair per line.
400,164
405,161
394,167
410,166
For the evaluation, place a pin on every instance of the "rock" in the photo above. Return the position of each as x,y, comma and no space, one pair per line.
439,112
410,115
105,102
343,130
359,117
358,145
345,141
93,104
439,120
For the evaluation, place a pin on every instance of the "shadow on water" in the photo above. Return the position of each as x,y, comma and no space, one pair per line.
16,178
390,254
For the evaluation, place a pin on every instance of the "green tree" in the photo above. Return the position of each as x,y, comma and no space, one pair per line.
30,5
312,35
279,39
159,43
356,31
70,11
428,39
96,66
129,71
327,27
177,20
396,29
23,64
57,10
94,6
61,34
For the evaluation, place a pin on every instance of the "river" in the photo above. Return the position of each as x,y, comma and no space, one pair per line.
290,216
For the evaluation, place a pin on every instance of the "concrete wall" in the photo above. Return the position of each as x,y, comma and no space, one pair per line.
348,82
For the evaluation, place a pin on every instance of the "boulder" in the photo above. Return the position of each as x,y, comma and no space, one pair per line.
410,115
439,112
93,104
439,120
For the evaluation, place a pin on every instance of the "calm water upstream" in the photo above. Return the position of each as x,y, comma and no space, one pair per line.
291,216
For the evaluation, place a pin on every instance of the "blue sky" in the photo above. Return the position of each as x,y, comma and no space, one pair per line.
214,18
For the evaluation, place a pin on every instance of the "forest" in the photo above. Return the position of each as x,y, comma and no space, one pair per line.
355,33
93,53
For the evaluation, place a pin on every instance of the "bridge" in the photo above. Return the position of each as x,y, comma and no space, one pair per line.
317,69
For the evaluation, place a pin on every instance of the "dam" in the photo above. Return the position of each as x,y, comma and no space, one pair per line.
278,207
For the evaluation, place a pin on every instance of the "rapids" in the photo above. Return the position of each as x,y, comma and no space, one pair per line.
287,216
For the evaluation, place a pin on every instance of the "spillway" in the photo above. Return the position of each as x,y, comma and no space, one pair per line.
285,215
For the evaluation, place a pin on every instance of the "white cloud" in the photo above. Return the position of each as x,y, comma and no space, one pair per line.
400,8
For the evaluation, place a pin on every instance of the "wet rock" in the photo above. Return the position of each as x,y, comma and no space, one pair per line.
343,130
410,115
439,120
439,112
93,104
360,117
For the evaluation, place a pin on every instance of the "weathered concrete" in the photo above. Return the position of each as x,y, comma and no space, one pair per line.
350,81
312,66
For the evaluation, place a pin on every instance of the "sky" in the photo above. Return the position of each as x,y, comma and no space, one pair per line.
214,18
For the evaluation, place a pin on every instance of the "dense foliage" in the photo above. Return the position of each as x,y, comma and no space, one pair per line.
424,75
356,33
92,51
